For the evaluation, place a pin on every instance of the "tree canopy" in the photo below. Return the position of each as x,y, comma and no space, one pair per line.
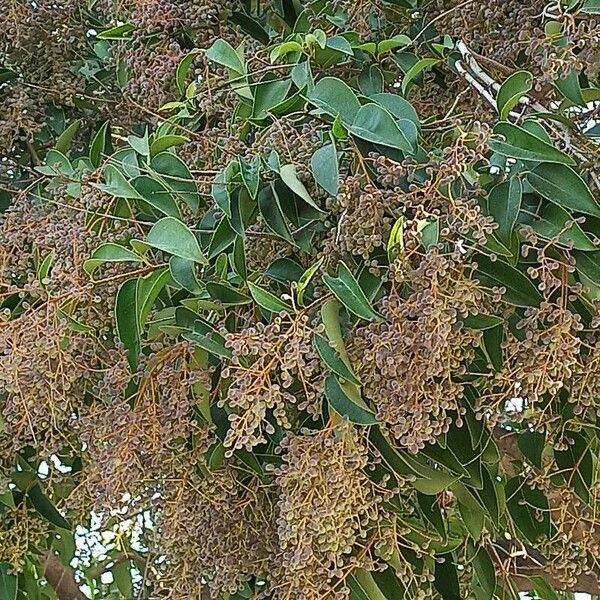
299,299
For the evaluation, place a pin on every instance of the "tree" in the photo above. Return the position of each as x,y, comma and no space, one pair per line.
299,299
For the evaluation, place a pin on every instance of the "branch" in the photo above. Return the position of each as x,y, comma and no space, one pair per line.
522,562
61,578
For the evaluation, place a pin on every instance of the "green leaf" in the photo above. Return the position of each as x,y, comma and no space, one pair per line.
563,186
522,501
45,507
588,264
117,185
397,106
446,578
348,292
504,204
209,343
121,573
363,586
290,178
147,290
543,590
333,361
140,144
172,236
183,69
63,143
270,209
485,571
482,322
305,279
325,168
126,319
531,444
554,223
268,94
344,406
177,177
116,33
227,295
9,583
109,252
415,71
56,163
376,125
520,290
164,142
569,86
98,145
335,98
183,272
398,41
269,301
520,144
156,195
250,172
511,91
577,464
430,508
224,54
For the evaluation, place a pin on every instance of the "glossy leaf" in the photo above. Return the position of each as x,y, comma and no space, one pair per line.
376,125
348,292
520,290
520,144
269,301
172,236
332,360
563,186
511,91
344,406
504,204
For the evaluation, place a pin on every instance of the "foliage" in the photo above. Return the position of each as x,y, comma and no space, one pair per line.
299,299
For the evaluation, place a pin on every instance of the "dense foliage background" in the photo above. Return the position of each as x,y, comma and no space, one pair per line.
299,300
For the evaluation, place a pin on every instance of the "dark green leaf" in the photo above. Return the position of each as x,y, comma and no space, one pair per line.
511,91
376,125
523,145
333,361
9,583
344,406
334,97
270,209
531,444
224,54
176,177
348,292
290,178
446,578
156,195
554,223
485,571
109,252
227,295
126,318
563,186
504,204
577,464
520,290
522,502
250,172
269,301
